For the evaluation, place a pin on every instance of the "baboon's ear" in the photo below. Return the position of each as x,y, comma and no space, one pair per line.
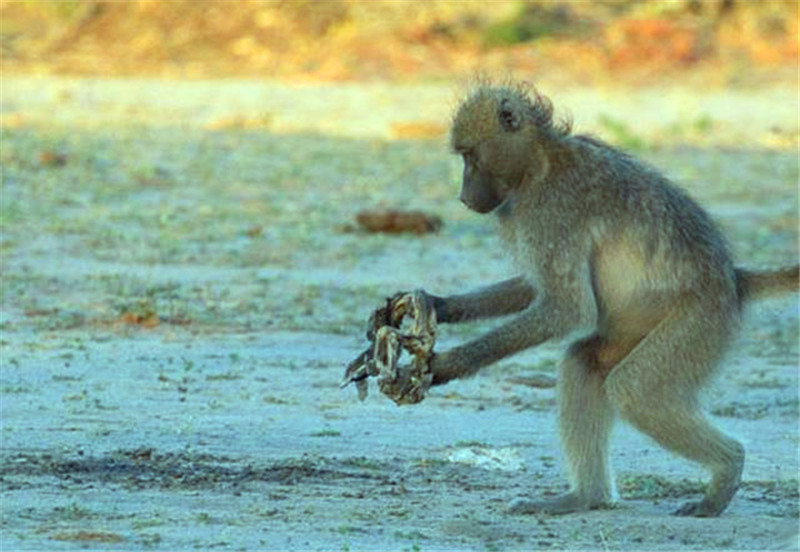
510,119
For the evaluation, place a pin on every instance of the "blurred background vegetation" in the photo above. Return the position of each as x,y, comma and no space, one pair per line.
638,41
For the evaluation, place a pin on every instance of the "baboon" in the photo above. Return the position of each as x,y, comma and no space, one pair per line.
620,261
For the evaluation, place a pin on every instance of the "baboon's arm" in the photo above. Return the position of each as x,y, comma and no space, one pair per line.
506,297
572,308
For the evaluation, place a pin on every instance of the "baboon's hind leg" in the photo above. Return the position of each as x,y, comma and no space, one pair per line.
655,389
585,421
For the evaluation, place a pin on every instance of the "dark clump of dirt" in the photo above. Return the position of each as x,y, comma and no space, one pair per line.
394,221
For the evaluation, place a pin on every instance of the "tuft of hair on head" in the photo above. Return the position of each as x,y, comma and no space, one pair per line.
488,107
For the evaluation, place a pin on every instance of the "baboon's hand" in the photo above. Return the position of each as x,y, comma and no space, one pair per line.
409,386
428,300
395,309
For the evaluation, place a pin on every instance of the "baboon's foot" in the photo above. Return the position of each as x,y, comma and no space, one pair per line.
701,508
720,491
563,504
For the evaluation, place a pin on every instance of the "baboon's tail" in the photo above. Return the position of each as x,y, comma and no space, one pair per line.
751,284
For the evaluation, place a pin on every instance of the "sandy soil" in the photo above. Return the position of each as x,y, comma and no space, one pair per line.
181,290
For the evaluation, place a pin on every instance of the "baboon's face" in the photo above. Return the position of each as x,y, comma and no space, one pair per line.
492,138
492,170
479,189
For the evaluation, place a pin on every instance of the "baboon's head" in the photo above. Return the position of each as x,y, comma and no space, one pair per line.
496,131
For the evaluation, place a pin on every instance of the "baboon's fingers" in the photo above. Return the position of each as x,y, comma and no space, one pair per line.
409,387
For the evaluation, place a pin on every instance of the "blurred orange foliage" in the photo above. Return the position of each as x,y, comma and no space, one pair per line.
652,41
358,39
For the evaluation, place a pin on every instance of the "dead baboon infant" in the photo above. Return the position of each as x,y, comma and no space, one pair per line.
620,261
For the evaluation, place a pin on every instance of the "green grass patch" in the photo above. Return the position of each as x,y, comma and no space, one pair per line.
326,433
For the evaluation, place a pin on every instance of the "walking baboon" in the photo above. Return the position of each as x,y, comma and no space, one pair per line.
616,258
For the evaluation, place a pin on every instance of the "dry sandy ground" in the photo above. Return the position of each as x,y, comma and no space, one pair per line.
179,303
